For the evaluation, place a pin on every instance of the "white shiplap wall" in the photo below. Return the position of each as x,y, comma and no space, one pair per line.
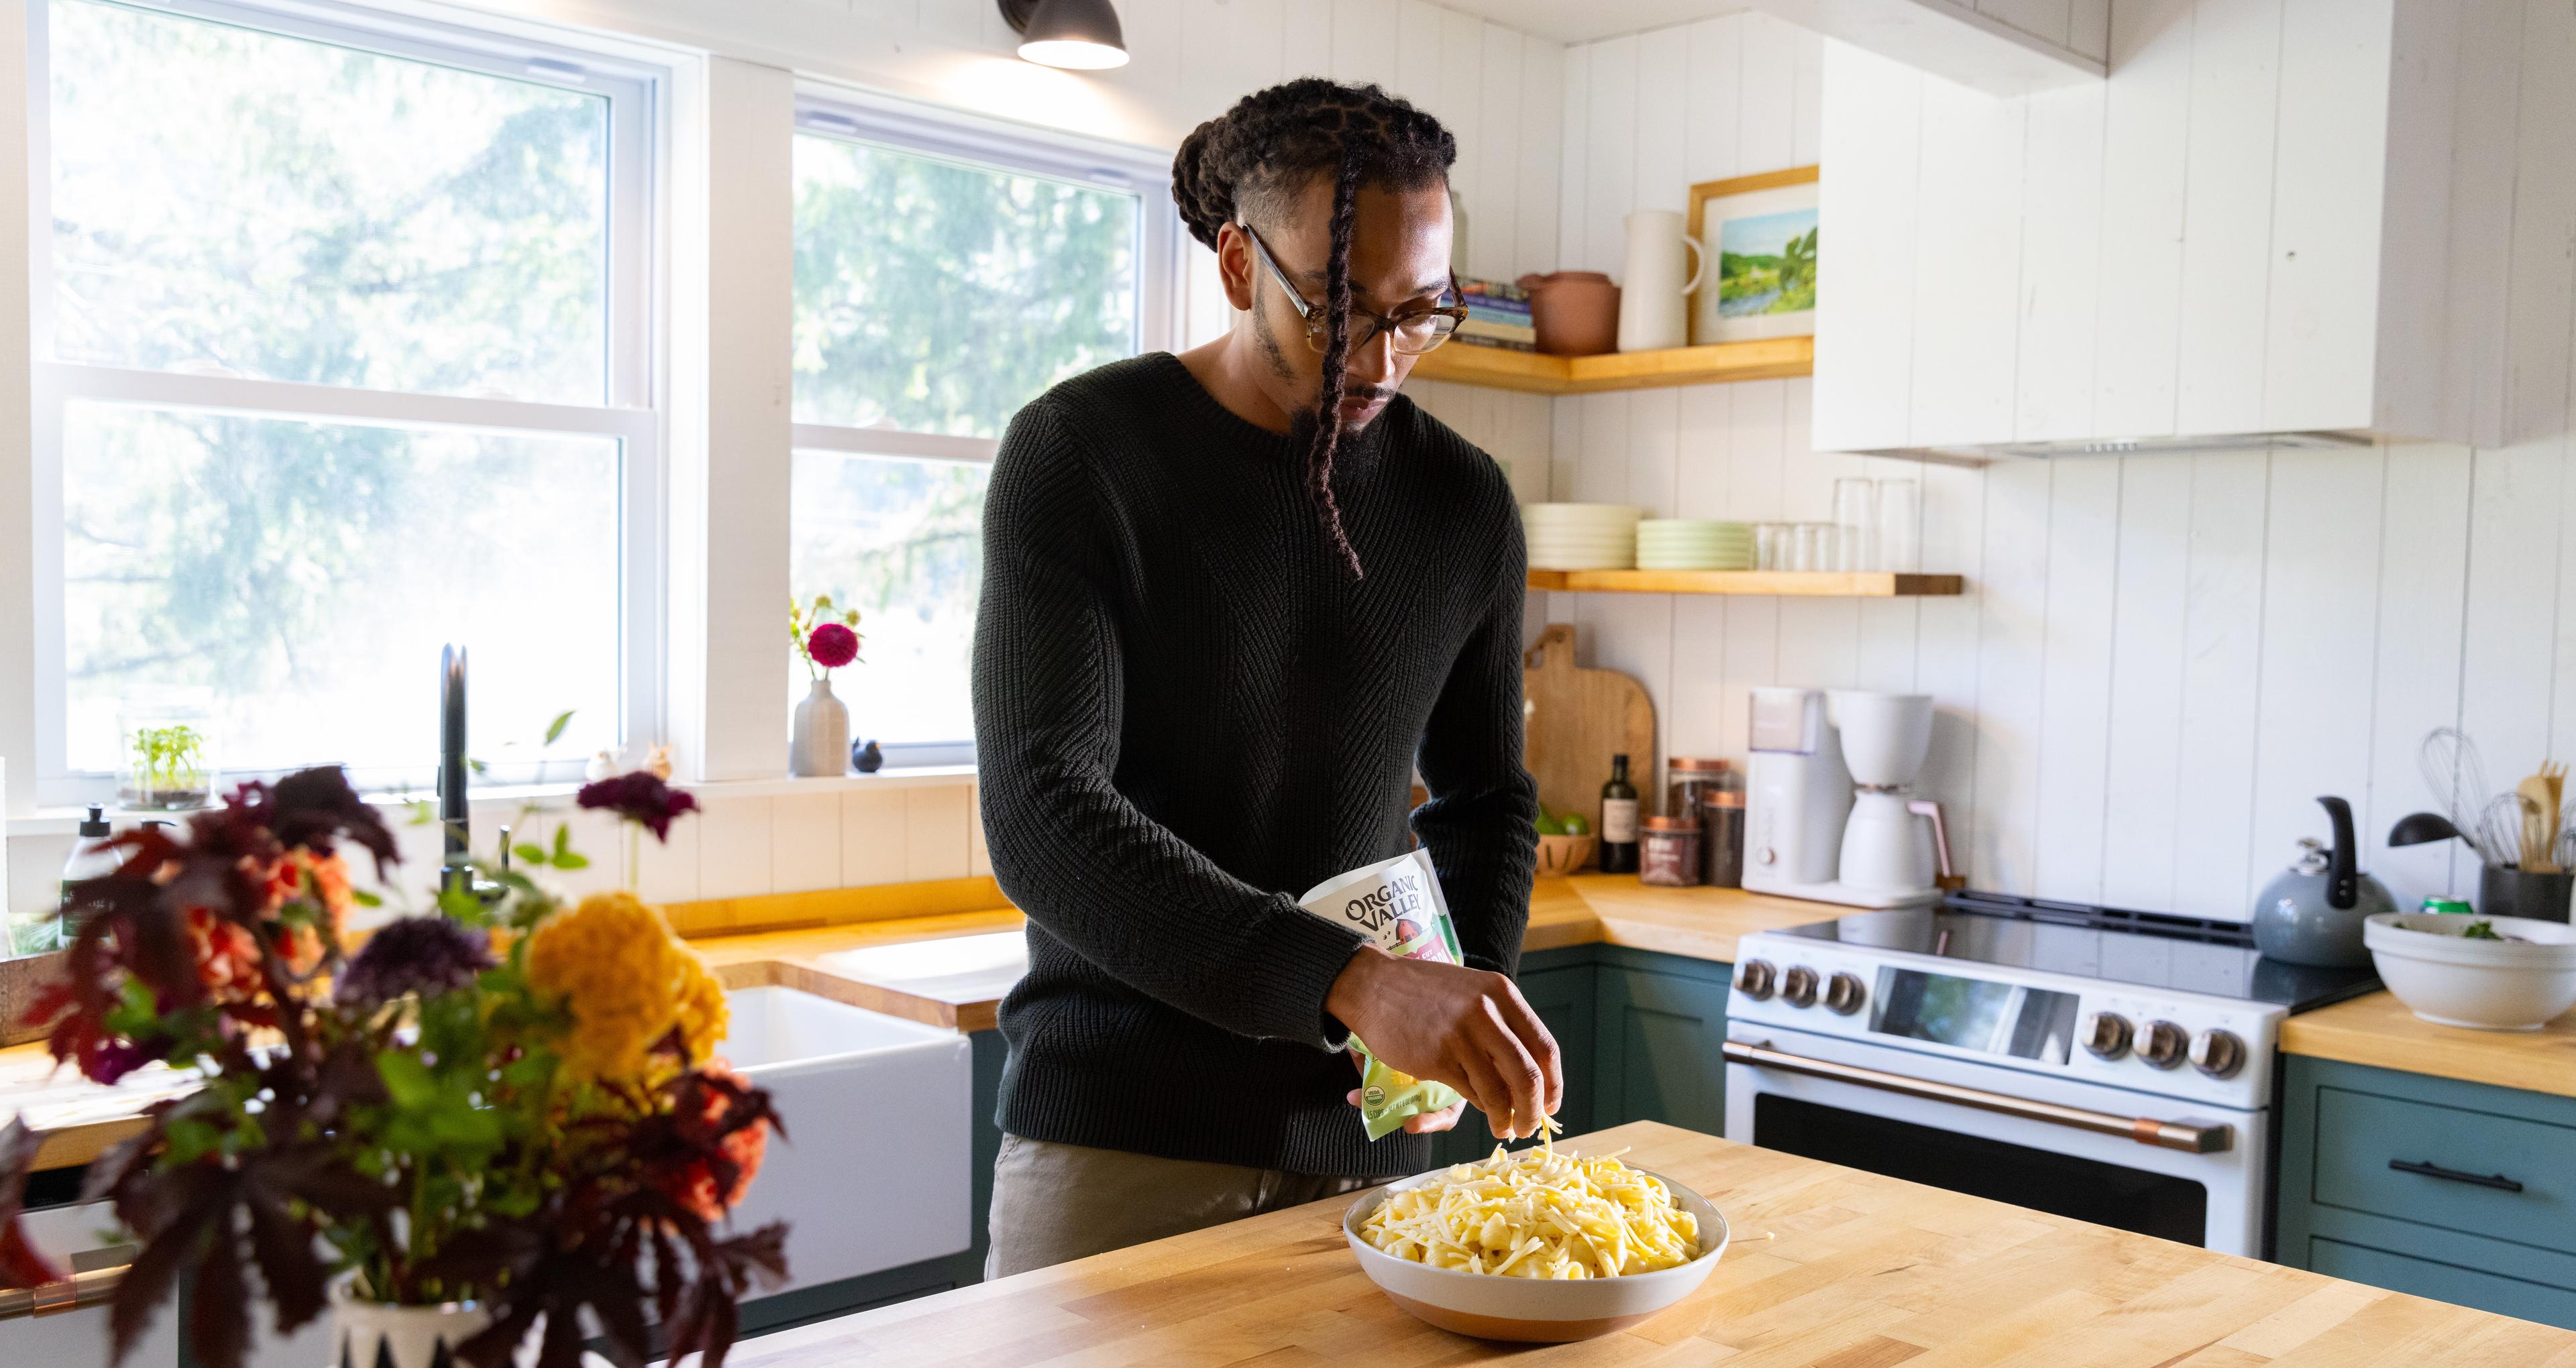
2162,659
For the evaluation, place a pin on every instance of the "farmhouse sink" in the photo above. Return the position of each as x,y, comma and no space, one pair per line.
874,1172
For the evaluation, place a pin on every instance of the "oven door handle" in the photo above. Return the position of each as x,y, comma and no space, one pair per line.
2188,1136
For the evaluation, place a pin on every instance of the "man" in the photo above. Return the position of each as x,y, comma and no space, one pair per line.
1231,600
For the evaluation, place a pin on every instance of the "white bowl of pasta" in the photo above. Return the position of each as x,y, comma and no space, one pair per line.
1525,1240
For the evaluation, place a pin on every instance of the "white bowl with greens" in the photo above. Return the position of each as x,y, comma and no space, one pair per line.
2485,973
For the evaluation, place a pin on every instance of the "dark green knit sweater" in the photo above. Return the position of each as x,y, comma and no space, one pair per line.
1187,713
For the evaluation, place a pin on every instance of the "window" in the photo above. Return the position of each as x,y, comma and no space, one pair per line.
944,277
344,352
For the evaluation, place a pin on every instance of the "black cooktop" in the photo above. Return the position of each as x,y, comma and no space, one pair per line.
2151,949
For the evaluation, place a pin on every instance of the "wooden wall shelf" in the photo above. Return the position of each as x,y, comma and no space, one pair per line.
1774,583
1771,358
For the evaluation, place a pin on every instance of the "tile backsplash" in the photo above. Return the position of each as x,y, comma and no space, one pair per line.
845,835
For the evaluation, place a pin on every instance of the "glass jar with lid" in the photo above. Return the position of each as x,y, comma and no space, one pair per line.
1687,781
1669,852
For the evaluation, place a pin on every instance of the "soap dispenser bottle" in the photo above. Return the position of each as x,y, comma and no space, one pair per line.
92,857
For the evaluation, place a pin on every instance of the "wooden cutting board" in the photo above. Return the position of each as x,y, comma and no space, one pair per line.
1579,719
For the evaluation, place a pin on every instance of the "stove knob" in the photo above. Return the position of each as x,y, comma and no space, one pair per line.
2217,1053
2162,1044
1754,979
1844,994
1798,987
2106,1035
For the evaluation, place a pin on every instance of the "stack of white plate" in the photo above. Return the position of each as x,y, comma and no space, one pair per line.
1578,536
1694,544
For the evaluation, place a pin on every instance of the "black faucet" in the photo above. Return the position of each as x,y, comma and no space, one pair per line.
455,870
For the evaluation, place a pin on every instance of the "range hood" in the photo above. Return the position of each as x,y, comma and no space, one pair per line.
2140,446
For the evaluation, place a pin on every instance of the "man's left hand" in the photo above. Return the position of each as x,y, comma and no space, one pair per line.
1426,1122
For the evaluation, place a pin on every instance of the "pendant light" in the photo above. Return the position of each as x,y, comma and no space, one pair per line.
1080,35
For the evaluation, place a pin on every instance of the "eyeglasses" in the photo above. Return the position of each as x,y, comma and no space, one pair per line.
1414,333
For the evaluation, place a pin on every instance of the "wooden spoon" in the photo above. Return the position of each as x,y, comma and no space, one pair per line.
2538,798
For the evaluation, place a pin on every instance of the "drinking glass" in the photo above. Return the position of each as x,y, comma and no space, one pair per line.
1770,546
1900,526
1814,547
1855,525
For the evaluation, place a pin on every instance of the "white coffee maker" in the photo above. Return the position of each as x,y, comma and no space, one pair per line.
1827,814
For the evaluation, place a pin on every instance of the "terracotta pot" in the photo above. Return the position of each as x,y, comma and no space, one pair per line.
1576,312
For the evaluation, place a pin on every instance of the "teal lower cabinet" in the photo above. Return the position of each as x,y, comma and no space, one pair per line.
1559,986
1659,1033
2457,1191
1640,1034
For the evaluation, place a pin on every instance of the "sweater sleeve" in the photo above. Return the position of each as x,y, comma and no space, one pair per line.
1480,820
1069,849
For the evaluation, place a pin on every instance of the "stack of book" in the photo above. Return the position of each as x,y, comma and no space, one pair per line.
1498,315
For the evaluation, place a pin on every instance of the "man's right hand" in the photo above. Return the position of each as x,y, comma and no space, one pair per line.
1468,1028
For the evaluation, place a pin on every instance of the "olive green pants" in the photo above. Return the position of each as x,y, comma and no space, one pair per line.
1055,1202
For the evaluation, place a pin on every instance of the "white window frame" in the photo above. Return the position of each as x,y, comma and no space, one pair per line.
904,126
638,98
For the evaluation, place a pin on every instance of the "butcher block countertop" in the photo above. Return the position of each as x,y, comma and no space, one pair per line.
950,968
2378,1030
1862,1272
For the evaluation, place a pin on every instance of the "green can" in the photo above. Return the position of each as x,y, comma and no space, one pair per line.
2458,906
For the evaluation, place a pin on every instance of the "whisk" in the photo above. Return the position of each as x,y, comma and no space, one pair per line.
2490,823
2456,774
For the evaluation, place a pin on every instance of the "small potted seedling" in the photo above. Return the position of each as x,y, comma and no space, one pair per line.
168,761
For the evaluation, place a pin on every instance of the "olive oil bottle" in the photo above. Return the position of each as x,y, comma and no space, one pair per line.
1618,820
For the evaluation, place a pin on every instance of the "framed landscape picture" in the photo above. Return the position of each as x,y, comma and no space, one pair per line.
1759,233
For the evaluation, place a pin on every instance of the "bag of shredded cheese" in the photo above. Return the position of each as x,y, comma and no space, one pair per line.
1396,904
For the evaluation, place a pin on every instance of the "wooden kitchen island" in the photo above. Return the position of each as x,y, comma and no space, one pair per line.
1862,1272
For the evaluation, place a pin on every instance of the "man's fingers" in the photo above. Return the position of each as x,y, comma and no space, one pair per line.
1518,1073
1485,1088
1429,1122
1523,1022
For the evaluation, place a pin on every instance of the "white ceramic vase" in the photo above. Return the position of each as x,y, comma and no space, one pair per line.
820,745
367,1334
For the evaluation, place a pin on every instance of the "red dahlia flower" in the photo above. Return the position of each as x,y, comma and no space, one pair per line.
832,645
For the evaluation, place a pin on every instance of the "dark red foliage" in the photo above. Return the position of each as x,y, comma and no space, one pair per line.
20,1264
205,1222
613,1239
641,797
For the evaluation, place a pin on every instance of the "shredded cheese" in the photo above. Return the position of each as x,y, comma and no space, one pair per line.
1537,1214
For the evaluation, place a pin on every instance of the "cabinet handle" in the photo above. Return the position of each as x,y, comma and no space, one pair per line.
2432,1170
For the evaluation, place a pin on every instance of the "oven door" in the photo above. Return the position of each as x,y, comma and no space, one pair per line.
2134,1161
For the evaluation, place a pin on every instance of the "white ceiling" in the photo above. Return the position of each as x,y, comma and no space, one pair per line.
1581,21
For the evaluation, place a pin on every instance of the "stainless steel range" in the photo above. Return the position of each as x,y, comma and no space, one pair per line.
2112,1066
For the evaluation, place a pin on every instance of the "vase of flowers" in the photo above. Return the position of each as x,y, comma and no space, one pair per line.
497,1124
820,741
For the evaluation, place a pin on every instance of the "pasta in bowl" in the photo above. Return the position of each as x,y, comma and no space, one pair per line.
1536,1245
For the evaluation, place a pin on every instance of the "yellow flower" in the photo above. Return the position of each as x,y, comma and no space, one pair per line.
626,982
704,1017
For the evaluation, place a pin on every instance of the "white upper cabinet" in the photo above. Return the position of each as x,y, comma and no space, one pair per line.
2272,217
2002,47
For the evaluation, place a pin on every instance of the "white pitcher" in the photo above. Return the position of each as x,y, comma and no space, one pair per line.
1653,307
